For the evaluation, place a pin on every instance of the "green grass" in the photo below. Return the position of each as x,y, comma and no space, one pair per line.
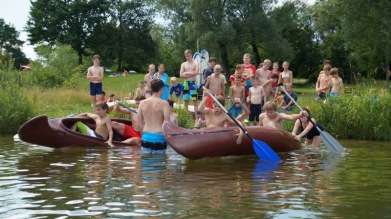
345,117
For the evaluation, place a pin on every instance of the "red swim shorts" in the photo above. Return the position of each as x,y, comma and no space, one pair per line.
209,103
130,132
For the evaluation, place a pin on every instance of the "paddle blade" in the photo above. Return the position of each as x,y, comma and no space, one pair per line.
331,143
264,151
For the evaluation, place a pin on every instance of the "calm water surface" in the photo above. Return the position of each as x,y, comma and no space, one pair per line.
39,182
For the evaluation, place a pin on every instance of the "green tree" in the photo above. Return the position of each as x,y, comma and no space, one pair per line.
66,21
365,28
124,41
57,66
10,46
295,25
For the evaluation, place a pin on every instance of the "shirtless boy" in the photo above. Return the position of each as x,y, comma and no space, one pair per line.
189,71
151,114
262,74
215,84
103,127
255,100
95,75
215,117
267,86
337,83
323,84
173,116
236,90
273,119
130,133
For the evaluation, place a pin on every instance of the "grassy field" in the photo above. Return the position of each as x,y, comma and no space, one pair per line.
357,115
59,102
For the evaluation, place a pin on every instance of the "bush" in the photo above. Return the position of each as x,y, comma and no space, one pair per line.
356,117
15,106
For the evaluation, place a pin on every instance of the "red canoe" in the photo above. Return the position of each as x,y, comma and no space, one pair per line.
217,142
56,133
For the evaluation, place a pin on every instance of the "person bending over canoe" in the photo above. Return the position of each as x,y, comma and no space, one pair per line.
216,117
308,130
151,114
273,119
103,128
130,133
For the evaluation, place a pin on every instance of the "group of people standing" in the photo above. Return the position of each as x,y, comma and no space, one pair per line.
252,94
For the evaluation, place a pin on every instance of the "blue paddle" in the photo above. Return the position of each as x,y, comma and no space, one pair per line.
331,143
126,107
261,148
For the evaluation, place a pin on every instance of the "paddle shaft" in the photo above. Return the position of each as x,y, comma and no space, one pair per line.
131,110
262,150
298,106
331,143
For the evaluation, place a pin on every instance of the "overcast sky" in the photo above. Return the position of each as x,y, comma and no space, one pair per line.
15,12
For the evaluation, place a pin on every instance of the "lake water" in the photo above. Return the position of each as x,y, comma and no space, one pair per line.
39,182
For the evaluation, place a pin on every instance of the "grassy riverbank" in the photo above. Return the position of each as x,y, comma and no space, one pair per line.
350,116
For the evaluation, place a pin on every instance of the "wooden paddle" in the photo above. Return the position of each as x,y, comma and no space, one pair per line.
261,148
331,143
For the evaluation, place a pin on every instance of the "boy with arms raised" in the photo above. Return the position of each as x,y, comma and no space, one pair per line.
216,117
273,119
95,75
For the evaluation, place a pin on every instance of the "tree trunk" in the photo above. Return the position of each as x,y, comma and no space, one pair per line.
224,58
387,70
80,54
257,58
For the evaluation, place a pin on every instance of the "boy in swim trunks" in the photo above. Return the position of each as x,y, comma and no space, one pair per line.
151,114
323,84
103,128
130,133
95,75
189,71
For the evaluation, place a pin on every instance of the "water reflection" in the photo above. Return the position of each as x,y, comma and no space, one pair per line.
39,182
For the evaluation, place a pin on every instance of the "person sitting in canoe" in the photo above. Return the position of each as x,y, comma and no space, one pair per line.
215,117
103,128
273,119
130,133
308,130
173,116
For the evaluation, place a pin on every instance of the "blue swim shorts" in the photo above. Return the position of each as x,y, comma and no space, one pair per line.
96,89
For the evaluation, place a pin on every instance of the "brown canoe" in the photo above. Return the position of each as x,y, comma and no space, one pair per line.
216,142
56,133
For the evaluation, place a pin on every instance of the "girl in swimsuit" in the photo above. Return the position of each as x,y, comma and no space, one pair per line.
308,130
286,77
